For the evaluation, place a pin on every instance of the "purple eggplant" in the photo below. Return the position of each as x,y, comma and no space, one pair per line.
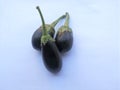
64,37
51,57
50,53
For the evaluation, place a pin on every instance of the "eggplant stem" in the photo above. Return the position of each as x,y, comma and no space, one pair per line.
56,21
67,20
43,22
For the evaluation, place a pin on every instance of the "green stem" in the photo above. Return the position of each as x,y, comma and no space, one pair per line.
56,21
43,22
67,19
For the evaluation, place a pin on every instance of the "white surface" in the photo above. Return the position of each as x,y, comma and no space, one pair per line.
92,63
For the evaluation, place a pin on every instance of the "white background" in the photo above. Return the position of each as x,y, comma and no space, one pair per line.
93,62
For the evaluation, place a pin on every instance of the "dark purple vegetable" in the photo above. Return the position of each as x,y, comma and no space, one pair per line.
51,57
64,37
50,52
36,38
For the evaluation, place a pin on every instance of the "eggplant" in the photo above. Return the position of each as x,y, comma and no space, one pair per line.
64,37
36,37
50,53
51,57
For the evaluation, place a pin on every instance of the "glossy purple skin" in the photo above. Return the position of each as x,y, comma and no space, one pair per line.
36,38
64,41
51,57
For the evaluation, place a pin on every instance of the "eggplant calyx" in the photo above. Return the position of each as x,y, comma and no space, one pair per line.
64,28
49,28
46,38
